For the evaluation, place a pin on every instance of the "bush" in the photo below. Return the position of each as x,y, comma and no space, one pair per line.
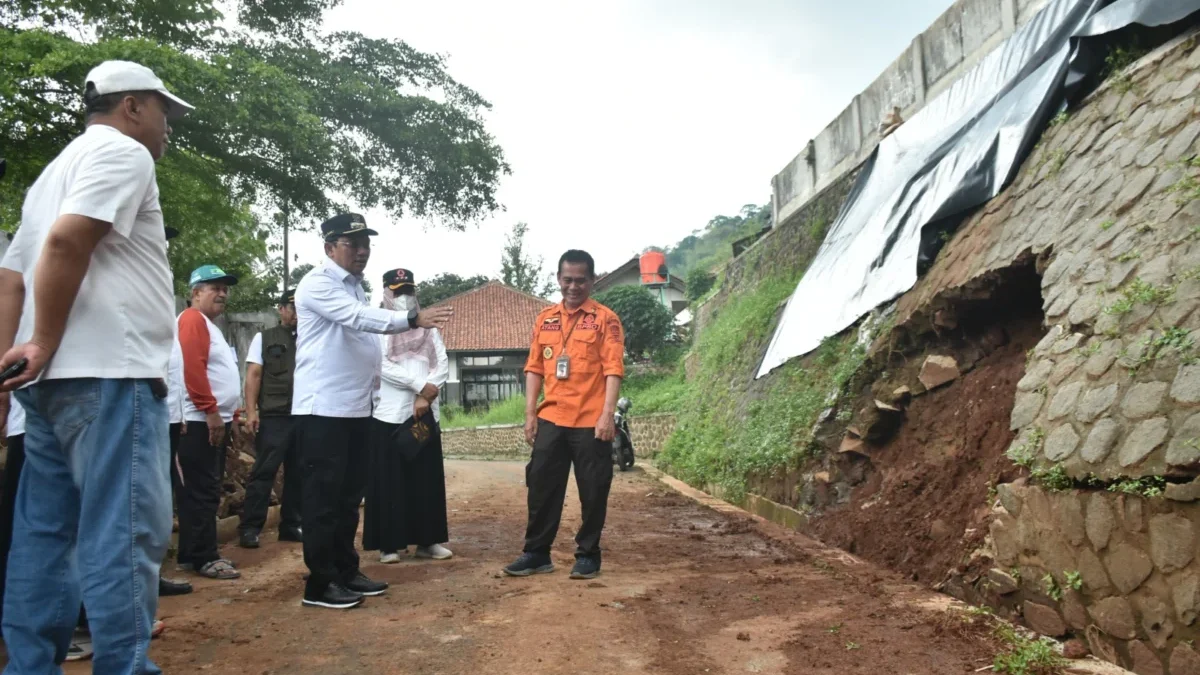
698,283
647,323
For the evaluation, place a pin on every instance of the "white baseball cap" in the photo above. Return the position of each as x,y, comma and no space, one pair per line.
112,77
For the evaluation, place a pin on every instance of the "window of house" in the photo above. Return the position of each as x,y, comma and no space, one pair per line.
485,387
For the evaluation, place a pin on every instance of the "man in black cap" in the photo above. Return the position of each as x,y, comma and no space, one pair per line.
270,365
337,374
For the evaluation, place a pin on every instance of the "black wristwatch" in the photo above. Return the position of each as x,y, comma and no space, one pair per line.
412,318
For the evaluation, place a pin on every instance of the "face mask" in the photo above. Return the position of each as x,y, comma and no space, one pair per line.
405,303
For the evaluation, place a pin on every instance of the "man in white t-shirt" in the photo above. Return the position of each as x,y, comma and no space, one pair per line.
89,264
210,377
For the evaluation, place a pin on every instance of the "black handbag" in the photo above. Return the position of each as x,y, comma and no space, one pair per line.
411,437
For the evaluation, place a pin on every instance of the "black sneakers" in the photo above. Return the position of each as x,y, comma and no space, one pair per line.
586,568
291,534
248,539
530,563
336,596
364,585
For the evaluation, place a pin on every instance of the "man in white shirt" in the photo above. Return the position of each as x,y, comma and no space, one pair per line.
210,377
337,373
89,264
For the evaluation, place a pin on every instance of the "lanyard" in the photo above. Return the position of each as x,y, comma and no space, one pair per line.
568,334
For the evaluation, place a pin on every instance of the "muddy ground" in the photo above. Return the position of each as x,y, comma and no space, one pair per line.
685,589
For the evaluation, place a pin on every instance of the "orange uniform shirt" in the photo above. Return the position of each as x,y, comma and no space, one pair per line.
596,347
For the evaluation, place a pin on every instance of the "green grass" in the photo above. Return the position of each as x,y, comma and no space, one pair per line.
725,437
511,411
656,392
1026,657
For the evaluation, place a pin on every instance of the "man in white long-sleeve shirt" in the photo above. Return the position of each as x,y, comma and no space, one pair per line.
337,373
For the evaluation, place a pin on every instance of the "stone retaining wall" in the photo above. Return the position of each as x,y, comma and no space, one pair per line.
649,433
1109,406
1118,570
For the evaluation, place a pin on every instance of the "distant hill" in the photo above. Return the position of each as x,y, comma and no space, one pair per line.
709,247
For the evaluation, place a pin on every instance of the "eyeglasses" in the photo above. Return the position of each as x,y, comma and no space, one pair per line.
355,245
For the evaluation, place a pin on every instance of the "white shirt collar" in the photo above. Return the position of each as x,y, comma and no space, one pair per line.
338,271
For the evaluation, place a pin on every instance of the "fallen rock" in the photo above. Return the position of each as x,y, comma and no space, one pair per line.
743,636
887,407
938,370
1076,649
852,444
880,424
1003,582
902,396
1044,619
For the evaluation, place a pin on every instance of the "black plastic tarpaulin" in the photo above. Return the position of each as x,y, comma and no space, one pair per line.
956,153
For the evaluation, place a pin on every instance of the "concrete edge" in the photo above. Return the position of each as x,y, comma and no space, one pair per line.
933,601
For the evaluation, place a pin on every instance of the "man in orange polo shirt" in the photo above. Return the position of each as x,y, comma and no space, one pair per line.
578,355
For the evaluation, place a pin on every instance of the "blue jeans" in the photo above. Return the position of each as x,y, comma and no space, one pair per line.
92,520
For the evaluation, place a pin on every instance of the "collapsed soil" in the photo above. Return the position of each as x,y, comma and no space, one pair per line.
685,590
924,509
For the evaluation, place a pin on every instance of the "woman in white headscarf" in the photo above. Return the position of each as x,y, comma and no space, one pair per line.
406,491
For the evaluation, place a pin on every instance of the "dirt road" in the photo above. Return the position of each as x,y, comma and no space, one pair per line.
685,589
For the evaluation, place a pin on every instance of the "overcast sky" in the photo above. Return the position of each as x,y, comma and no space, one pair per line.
631,123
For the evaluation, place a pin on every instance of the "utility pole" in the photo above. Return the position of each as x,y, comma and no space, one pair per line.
286,260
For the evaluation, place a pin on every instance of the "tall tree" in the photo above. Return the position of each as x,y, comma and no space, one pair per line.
443,286
287,115
647,323
521,270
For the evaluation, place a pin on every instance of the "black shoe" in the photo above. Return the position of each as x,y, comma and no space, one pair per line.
336,596
586,568
167,587
530,563
248,539
291,534
364,585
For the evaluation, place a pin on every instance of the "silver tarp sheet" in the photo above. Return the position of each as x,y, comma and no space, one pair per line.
956,153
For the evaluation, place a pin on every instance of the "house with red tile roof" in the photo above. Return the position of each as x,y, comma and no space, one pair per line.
487,341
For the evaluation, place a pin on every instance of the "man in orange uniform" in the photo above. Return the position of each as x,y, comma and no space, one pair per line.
578,354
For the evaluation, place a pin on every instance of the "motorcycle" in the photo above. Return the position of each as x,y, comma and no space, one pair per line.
622,444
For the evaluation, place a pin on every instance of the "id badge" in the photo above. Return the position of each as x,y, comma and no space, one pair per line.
562,369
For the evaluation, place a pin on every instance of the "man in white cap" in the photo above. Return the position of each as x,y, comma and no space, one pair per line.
89,264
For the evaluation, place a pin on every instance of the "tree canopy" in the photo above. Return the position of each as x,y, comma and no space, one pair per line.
288,119
443,286
706,248
646,321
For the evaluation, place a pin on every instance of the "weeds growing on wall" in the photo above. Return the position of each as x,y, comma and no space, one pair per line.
722,436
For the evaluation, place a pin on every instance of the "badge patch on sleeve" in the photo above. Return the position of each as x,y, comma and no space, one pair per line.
614,331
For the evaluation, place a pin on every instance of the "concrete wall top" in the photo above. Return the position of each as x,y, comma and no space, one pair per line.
953,44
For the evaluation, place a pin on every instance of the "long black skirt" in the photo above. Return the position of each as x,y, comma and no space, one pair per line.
406,500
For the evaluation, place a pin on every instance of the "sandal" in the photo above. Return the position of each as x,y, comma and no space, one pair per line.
219,569
157,629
